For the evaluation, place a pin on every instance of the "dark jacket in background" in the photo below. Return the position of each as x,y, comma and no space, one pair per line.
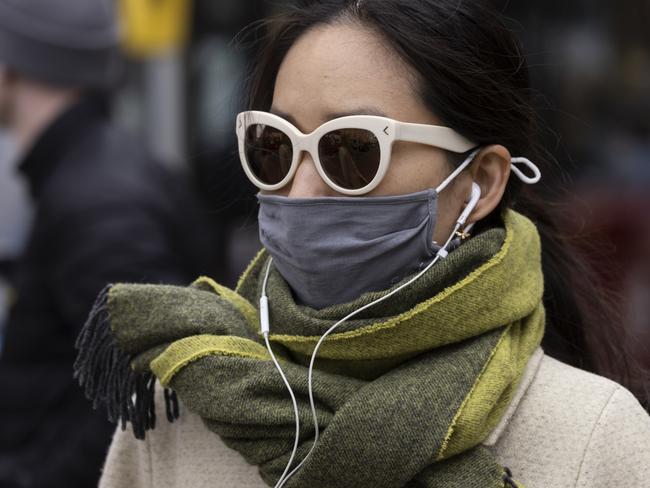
105,213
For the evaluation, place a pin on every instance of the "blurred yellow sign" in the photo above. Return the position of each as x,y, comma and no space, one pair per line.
151,27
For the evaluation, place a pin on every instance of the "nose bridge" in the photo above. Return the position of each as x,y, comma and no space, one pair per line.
305,157
304,144
307,181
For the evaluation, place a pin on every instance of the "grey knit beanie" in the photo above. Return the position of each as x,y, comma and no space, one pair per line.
61,42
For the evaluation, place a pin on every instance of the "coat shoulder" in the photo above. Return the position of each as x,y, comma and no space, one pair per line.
565,426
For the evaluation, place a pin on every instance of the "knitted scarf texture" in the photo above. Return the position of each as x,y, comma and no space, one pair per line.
406,391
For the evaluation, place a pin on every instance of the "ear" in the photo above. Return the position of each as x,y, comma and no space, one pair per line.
491,171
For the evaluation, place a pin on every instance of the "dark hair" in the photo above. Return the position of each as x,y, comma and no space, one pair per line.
473,76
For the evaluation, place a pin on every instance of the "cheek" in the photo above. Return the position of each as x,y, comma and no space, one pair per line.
413,168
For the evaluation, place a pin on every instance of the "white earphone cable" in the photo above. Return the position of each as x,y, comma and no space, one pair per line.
265,333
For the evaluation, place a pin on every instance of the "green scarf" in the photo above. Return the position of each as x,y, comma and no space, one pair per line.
405,392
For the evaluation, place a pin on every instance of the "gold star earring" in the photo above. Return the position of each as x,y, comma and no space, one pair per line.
463,234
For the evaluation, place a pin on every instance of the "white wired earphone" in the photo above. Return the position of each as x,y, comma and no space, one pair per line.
441,254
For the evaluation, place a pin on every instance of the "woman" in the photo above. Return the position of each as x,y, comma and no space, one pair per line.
435,376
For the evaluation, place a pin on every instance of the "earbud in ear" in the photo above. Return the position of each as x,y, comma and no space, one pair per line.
471,205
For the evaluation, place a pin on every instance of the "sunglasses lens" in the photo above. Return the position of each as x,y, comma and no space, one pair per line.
269,153
350,157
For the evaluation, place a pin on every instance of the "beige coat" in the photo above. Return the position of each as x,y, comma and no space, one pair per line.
565,428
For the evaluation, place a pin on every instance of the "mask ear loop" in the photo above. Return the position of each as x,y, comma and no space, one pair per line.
537,174
457,171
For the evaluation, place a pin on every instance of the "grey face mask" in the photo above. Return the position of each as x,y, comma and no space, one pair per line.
331,250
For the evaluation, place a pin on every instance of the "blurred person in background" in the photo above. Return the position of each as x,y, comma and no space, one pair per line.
15,218
105,212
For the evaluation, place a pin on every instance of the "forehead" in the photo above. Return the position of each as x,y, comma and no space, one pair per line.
341,68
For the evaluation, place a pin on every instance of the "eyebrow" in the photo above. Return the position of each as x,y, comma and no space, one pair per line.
332,115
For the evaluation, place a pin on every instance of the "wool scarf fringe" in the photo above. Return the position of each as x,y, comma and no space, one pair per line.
106,374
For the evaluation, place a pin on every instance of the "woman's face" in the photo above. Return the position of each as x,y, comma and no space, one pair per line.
345,69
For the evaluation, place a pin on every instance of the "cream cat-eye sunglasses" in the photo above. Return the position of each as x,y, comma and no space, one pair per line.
352,154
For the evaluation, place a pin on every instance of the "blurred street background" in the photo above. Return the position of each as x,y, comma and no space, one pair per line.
590,61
